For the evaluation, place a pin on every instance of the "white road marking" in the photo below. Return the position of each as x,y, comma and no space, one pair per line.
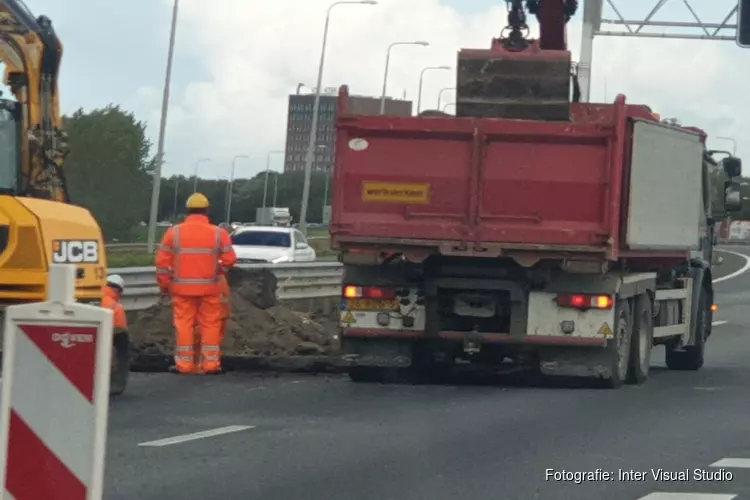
197,435
744,269
738,463
688,496
717,323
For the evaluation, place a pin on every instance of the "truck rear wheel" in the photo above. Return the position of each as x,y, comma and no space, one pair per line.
642,340
618,350
691,357
425,369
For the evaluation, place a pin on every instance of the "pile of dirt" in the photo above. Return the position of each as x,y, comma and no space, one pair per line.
258,327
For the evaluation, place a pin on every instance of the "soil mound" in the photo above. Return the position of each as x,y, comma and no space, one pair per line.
259,325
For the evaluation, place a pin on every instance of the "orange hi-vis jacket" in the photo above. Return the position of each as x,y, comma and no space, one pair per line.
193,256
111,300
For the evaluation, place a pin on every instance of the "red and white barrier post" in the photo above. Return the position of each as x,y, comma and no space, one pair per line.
55,396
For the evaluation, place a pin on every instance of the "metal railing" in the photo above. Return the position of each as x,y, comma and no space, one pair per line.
126,247
308,280
142,247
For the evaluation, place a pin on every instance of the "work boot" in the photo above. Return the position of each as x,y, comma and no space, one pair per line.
211,369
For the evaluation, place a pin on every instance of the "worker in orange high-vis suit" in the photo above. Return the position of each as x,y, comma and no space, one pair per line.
112,295
111,300
190,262
226,308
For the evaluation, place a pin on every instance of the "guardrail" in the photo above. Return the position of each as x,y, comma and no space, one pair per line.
126,247
308,280
142,247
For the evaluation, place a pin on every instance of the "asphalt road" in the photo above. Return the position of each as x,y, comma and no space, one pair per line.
324,438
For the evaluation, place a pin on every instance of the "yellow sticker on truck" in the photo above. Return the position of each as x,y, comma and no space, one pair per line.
396,192
348,318
606,332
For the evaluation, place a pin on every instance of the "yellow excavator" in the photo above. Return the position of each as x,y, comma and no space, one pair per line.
38,223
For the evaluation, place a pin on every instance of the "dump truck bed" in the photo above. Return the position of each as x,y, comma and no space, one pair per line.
483,186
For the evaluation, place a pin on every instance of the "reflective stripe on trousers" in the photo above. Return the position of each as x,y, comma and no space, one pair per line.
184,358
211,357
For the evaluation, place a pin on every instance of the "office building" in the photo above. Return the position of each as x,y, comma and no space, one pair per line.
299,121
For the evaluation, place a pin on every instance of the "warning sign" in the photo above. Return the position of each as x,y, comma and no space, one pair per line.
349,318
605,331
396,192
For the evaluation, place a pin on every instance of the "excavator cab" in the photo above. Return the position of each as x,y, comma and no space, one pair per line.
10,146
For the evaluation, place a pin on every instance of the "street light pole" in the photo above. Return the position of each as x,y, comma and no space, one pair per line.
176,193
316,107
421,78
265,182
195,173
323,147
156,182
440,95
325,192
230,186
387,64
226,190
734,143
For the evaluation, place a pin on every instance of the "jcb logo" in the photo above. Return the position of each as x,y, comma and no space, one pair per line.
75,251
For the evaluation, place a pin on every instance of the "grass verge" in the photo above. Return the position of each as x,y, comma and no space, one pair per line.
130,259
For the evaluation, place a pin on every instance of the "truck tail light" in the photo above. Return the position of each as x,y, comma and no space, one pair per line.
584,302
368,292
714,308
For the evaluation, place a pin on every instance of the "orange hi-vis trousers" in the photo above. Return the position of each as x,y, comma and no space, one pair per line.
207,311
225,311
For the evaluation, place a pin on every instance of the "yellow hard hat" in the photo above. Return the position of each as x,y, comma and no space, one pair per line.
197,200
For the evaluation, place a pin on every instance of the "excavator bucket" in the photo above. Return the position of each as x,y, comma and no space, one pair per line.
532,84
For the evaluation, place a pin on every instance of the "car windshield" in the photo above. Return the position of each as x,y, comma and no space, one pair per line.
262,239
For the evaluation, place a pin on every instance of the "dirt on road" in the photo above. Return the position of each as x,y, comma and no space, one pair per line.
259,325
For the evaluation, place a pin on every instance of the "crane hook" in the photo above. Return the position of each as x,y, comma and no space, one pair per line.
514,37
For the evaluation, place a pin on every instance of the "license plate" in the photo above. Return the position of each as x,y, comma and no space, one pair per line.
373,305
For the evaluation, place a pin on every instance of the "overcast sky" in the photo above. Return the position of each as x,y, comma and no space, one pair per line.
236,61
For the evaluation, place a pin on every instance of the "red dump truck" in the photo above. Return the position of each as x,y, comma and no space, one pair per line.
562,236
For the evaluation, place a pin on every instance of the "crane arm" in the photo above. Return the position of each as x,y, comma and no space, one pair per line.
552,15
31,52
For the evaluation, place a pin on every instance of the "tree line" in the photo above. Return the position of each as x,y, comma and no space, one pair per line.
109,171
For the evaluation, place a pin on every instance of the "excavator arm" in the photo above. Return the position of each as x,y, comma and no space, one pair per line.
31,52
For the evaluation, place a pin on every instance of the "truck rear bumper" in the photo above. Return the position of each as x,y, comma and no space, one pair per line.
487,338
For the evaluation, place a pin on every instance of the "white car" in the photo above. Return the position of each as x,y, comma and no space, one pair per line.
275,245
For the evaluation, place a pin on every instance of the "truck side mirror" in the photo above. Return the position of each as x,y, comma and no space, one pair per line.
732,166
743,24
732,196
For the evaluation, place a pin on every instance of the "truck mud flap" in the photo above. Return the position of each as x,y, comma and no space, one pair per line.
575,362
382,353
